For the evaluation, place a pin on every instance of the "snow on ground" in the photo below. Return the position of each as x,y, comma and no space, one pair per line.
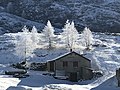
105,56
37,81
7,82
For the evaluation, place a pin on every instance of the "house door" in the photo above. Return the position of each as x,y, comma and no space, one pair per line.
52,66
73,77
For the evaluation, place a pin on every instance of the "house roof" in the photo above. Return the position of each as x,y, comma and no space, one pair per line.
66,54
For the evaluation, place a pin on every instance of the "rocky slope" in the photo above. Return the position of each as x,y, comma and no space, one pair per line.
98,15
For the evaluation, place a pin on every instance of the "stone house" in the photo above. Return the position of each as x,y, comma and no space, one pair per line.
73,65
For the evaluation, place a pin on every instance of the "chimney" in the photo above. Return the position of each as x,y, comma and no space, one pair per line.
71,50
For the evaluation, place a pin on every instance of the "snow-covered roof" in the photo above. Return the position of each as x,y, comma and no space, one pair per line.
66,55
59,56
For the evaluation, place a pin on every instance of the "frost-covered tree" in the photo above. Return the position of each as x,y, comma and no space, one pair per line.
25,30
34,36
65,34
48,33
74,35
69,34
87,38
24,46
34,30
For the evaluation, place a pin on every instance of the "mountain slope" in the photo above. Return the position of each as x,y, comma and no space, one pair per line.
12,23
99,15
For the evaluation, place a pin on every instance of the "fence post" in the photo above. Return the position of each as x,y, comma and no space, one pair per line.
118,76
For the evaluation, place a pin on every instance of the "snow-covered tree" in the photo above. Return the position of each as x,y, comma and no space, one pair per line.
87,38
34,30
74,35
25,45
69,34
65,34
34,36
25,30
48,33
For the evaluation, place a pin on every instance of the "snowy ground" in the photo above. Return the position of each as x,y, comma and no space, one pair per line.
105,57
37,81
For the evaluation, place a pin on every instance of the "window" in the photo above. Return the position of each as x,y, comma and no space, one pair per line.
65,63
75,64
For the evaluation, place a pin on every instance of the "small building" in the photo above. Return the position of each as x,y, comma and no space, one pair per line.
73,65
118,76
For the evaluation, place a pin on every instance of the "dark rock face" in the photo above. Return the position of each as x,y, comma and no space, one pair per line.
98,15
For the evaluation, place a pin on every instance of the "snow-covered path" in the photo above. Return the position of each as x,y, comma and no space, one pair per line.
101,80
